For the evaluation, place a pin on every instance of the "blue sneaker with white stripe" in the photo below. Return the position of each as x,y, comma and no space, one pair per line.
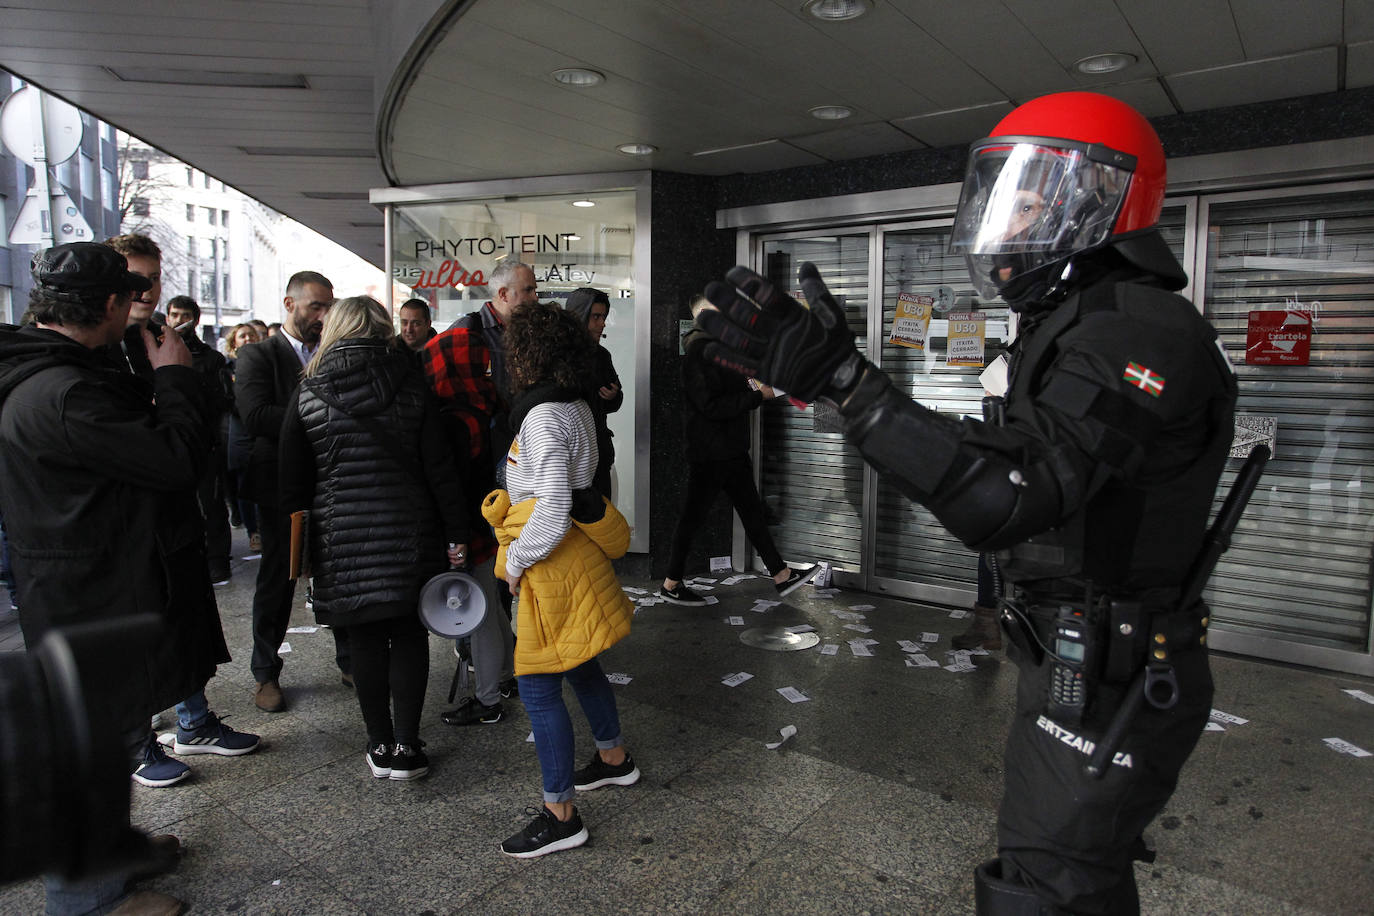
214,737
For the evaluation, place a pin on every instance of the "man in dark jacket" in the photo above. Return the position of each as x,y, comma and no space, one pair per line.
265,382
716,421
183,315
97,469
603,392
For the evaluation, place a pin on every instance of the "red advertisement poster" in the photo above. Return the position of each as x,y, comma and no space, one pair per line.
1278,339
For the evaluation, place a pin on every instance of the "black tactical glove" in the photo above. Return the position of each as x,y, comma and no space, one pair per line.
761,331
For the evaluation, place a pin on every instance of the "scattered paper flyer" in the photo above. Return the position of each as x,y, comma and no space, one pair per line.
1345,747
1213,727
735,621
930,638
702,580
861,607
920,660
979,650
1219,716
766,602
631,590
860,650
801,628
958,614
847,615
858,628
711,599
787,731
301,629
907,645
863,642
830,648
285,648
720,564
960,666
1360,695
824,592
735,680
793,695
697,586
529,739
619,678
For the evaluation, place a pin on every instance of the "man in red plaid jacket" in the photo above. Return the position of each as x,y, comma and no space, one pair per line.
466,368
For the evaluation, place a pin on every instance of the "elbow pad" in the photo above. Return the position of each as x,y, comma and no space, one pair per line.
982,497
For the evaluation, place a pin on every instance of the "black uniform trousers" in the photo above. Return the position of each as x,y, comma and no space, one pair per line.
274,594
705,479
1071,838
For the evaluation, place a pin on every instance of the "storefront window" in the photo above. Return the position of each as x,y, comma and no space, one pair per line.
445,250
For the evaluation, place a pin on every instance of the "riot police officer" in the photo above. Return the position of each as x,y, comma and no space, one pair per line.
1094,491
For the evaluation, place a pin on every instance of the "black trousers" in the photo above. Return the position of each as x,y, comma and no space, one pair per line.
212,506
390,666
705,479
1068,837
274,594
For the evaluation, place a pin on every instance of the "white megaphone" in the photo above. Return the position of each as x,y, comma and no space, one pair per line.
452,604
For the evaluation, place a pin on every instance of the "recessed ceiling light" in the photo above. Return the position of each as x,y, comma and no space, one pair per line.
831,112
1109,62
578,77
584,203
573,238
837,10
637,149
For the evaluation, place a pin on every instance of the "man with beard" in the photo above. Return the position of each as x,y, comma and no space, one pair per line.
265,380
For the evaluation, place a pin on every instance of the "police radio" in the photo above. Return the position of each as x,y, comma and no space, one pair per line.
1071,644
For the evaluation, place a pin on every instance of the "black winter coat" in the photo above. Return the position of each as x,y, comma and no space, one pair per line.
97,488
363,448
717,402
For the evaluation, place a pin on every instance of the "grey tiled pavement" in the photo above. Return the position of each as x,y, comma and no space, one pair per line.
882,803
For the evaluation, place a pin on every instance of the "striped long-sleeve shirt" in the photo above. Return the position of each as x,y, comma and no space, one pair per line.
553,453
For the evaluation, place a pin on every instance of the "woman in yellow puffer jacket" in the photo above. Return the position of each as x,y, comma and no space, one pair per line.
558,536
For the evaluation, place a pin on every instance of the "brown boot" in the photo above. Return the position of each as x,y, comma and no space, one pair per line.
984,631
149,903
268,697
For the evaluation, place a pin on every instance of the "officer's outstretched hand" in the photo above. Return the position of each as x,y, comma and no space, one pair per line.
763,332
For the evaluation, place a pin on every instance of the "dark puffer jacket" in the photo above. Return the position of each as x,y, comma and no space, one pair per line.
363,449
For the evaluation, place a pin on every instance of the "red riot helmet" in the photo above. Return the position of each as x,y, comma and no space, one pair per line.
1061,175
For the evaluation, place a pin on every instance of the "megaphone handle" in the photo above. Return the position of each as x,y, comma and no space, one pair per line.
465,566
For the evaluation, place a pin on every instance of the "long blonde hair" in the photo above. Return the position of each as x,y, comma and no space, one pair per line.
234,334
348,319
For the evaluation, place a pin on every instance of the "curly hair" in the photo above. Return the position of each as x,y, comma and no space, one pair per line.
546,345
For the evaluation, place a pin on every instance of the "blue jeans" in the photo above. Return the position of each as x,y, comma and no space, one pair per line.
192,711
542,695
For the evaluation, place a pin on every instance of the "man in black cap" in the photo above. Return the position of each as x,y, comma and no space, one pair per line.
95,529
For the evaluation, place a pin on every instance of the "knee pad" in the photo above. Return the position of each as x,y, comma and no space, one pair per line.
995,896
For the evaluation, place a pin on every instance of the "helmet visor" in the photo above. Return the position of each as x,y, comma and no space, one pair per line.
1026,204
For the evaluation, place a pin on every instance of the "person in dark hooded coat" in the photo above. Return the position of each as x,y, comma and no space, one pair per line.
362,448
602,391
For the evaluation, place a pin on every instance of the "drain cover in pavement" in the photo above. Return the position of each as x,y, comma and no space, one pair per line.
778,639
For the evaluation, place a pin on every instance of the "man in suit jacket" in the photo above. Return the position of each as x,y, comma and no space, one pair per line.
265,381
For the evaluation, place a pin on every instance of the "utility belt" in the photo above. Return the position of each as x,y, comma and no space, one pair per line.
1094,639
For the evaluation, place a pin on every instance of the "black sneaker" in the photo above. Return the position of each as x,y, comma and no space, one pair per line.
379,761
796,578
680,595
408,761
545,834
471,711
599,773
510,689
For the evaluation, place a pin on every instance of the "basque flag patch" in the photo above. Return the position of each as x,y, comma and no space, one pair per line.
1152,383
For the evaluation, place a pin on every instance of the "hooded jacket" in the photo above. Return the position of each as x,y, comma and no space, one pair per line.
363,449
717,401
98,471
571,605
579,303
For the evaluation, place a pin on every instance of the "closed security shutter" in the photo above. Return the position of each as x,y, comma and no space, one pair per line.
812,482
1299,567
910,545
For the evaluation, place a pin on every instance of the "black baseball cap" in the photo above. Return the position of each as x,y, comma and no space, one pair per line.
86,267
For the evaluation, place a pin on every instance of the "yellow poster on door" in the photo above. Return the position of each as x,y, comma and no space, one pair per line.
911,322
967,331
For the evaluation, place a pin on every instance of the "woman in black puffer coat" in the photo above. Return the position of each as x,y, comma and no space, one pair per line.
362,448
